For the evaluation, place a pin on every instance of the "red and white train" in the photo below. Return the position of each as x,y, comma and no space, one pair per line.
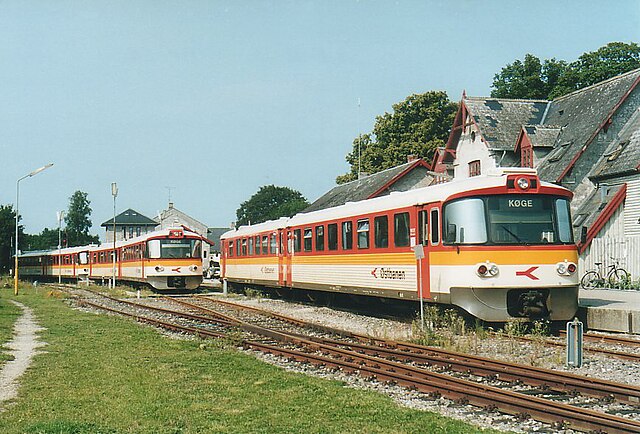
500,247
166,259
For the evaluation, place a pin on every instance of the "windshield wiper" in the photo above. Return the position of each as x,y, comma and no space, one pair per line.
511,233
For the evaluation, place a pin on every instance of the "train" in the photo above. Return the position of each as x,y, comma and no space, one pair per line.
168,259
498,246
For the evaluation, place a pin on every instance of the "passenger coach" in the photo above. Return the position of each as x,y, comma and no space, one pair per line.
498,246
165,259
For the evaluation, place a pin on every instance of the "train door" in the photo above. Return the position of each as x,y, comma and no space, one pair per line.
288,281
280,237
428,237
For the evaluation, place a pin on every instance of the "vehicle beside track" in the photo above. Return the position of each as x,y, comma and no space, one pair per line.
498,246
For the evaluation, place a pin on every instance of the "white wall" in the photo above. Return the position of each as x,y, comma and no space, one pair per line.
471,150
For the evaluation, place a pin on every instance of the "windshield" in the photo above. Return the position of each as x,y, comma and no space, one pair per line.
174,248
508,219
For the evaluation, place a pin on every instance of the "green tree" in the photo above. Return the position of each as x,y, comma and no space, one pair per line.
45,240
417,126
7,236
528,79
533,79
270,203
78,221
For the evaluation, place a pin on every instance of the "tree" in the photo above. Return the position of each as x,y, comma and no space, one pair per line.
417,126
528,79
270,203
7,236
553,78
78,221
45,240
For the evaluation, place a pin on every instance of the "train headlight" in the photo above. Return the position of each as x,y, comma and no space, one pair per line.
193,267
487,269
493,270
159,269
523,183
566,268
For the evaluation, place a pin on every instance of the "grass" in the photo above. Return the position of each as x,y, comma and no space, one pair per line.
9,313
107,374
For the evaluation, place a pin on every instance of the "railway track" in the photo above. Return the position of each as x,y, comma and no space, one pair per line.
392,362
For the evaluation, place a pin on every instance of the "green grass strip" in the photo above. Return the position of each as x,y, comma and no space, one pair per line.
107,374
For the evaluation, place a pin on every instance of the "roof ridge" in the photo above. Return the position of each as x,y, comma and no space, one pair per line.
519,100
377,173
600,83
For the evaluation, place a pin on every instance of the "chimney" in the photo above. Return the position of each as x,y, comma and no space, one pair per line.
411,158
170,205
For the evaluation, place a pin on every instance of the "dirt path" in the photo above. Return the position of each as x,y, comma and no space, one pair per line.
23,347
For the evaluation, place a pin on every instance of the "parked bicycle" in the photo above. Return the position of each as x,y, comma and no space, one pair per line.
617,277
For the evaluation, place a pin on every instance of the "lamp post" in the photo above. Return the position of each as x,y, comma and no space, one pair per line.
35,172
60,215
114,193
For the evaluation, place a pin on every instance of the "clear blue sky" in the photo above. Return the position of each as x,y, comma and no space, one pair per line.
217,98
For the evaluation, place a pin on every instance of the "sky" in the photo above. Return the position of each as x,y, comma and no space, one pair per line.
204,102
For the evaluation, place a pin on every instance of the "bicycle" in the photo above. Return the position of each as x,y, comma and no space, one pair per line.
617,277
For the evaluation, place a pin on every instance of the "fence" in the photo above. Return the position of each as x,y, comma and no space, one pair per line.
625,250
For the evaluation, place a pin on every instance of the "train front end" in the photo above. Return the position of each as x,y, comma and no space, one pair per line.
508,251
174,260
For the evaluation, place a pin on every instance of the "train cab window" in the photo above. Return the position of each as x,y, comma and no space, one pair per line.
258,238
273,244
297,240
381,231
332,236
435,228
307,239
265,244
250,246
401,229
363,234
319,238
347,235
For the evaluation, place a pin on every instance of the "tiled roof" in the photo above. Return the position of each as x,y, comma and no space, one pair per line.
623,157
580,114
359,189
542,136
131,217
500,120
591,208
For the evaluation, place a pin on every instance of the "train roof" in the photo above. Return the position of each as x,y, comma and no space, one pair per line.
418,196
103,246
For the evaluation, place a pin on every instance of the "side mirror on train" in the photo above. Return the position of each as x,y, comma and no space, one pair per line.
583,235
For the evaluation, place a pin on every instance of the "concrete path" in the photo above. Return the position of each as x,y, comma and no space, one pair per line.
23,347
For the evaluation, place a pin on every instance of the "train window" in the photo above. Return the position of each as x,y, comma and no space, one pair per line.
297,240
307,239
250,246
435,228
332,236
363,234
401,229
381,231
265,244
347,235
273,245
230,249
153,247
423,227
258,244
244,247
564,220
196,248
319,238
238,250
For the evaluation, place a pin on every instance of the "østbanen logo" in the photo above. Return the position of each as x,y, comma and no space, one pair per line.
388,273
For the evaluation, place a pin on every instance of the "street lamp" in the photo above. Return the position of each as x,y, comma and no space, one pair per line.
114,193
60,215
35,172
